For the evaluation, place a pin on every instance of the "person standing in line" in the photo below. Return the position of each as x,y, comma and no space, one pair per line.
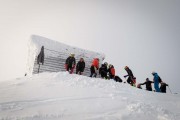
111,71
131,79
80,66
156,81
103,70
148,84
163,87
94,67
70,63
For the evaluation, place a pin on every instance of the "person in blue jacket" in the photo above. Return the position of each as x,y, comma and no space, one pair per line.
156,81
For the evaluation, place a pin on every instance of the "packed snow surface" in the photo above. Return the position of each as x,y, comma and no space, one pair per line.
64,96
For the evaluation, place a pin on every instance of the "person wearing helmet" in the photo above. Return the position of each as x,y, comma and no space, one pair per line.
156,81
94,67
80,66
70,63
103,70
131,79
148,84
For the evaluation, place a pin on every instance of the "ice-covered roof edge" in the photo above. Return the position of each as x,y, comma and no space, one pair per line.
58,46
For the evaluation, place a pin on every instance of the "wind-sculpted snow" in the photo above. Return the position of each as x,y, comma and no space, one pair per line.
55,55
63,96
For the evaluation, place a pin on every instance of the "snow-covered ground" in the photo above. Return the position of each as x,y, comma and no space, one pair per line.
63,96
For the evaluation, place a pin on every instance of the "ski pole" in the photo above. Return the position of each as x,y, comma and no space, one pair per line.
169,89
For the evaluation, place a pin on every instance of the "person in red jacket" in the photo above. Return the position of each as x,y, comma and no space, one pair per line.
94,67
111,71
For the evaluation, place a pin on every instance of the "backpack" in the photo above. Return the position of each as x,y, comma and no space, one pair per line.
117,79
160,80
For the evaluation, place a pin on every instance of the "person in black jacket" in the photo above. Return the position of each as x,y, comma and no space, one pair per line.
148,84
80,66
131,78
163,87
103,70
40,58
70,63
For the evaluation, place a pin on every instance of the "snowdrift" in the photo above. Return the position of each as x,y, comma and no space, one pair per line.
56,96
55,55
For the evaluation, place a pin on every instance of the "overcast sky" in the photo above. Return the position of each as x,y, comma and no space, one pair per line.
143,34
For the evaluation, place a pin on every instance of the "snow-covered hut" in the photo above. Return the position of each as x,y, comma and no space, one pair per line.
55,54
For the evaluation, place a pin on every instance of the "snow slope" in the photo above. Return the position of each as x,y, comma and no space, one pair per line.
56,96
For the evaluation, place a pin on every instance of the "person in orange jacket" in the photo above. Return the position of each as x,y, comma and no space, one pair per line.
94,67
111,71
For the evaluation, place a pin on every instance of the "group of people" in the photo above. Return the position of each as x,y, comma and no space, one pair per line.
105,71
71,64
108,72
157,80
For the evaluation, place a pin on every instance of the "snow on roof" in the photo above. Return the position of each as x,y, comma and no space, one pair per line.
61,47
